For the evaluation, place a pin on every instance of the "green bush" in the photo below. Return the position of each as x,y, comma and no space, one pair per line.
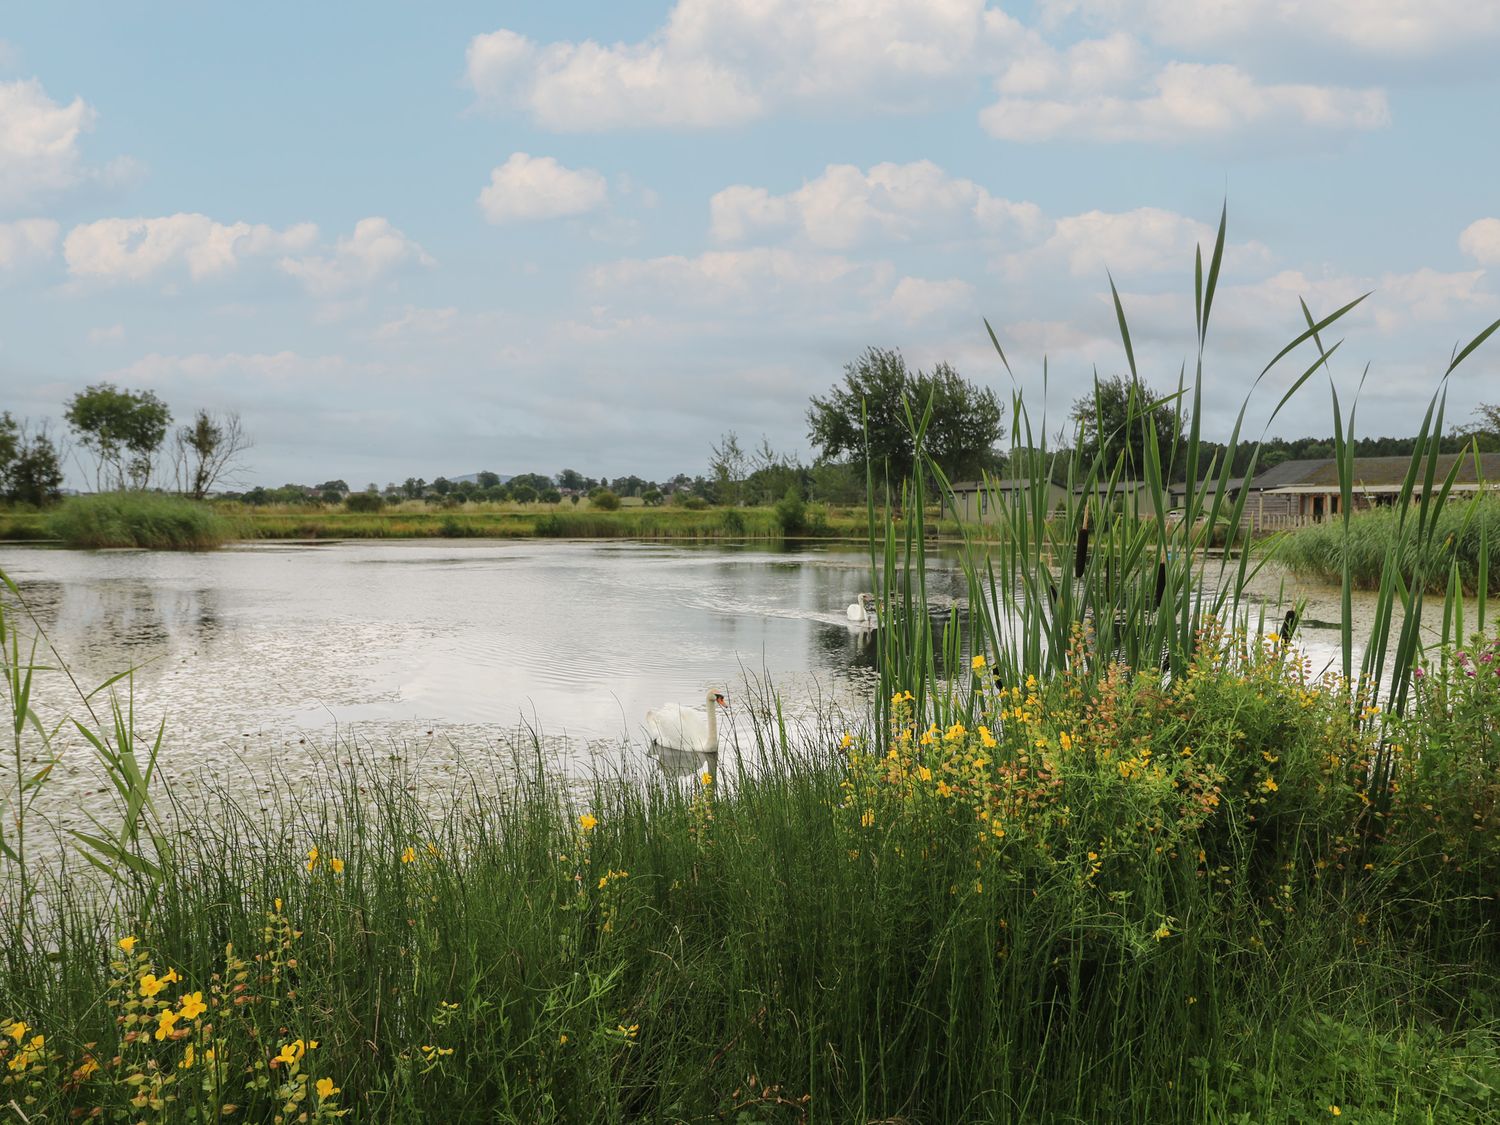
791,512
364,502
140,519
604,500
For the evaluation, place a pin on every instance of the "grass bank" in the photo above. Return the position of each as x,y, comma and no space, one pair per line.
1462,536
1088,901
505,521
141,519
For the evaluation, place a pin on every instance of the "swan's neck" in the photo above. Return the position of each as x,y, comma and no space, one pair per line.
713,725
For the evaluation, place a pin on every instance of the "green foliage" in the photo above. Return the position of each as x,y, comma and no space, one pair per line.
364,502
604,500
791,512
869,411
1120,417
123,430
1456,543
30,468
137,519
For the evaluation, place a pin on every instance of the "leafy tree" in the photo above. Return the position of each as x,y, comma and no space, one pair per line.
488,479
204,453
871,407
413,487
30,465
340,487
551,496
604,500
571,479
122,429
1116,422
728,464
652,497
534,481
523,493
442,486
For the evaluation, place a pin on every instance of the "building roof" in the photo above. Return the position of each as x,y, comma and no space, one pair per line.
1373,473
1000,484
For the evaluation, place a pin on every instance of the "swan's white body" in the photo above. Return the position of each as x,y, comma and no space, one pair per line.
675,727
864,611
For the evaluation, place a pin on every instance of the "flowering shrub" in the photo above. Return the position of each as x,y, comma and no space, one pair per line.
1239,772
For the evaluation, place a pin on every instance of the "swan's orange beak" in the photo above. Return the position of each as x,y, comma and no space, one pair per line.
721,701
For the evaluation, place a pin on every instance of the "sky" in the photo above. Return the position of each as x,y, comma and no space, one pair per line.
425,240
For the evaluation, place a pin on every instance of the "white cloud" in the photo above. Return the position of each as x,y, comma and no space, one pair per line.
38,142
1147,240
415,321
375,250
284,368
845,207
1481,241
138,249
722,275
1184,102
538,187
112,334
722,62
1382,28
26,242
916,299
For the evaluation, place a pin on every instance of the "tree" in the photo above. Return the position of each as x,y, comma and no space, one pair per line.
1115,422
570,479
122,429
523,493
869,411
204,453
30,466
488,479
339,486
727,462
442,486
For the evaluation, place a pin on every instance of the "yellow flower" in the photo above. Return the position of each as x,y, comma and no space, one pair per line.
924,773
706,777
193,1006
409,855
847,741
1269,785
986,739
432,850
150,985
337,865
629,1032
1335,1111
562,1040
1065,740
17,1030
312,858
165,1020
277,901
170,977
127,944
188,1056
1162,931
977,663
588,822
955,732
326,1089
867,819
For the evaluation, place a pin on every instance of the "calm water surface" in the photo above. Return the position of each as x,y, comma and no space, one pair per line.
442,650
448,646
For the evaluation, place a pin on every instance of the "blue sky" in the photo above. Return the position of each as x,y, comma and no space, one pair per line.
424,240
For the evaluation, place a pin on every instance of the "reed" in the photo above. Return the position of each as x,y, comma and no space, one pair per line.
140,519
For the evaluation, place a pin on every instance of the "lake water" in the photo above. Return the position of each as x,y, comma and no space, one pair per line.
442,650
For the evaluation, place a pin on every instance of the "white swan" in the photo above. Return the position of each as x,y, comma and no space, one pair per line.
674,727
864,611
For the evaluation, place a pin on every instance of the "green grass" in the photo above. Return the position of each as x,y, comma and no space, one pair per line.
536,521
813,943
140,519
1464,529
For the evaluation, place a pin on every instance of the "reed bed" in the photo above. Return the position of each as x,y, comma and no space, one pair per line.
1462,534
141,519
